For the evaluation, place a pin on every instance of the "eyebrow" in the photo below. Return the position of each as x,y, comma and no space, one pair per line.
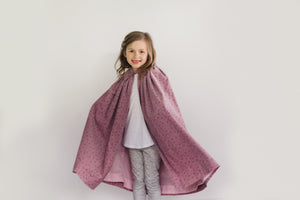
139,49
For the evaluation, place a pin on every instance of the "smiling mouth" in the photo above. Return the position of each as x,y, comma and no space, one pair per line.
136,61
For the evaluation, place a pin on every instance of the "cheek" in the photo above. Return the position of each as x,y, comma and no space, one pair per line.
145,56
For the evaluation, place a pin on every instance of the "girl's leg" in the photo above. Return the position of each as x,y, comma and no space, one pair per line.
152,164
137,168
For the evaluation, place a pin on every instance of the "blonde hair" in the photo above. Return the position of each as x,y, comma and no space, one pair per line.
129,38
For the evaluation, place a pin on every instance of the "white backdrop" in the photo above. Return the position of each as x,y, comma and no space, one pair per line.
233,66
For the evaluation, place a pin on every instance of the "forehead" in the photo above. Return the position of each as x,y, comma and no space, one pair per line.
138,44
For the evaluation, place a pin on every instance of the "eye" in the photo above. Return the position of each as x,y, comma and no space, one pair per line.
142,51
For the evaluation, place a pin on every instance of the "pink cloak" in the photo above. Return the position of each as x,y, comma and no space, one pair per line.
185,166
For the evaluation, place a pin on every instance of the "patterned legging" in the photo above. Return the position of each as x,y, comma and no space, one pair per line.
145,165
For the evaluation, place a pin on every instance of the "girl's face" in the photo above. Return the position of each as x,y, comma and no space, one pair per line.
136,54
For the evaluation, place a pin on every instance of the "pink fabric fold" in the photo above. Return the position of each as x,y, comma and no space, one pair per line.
185,166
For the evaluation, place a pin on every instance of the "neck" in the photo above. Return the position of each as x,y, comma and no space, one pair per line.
135,70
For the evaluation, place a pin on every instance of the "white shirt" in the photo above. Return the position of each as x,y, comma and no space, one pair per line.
136,132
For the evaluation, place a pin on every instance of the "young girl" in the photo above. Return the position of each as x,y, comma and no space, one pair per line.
145,159
135,137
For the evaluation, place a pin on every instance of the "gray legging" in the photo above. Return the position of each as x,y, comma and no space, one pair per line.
145,165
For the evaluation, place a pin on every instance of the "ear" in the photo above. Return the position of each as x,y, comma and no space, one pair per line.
124,54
